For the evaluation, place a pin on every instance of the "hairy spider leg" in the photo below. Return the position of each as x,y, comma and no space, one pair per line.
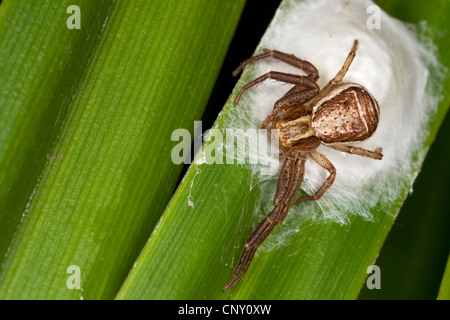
322,161
339,76
297,95
278,76
291,178
358,151
292,101
304,65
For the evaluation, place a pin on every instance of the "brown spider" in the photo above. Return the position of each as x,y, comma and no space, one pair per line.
340,113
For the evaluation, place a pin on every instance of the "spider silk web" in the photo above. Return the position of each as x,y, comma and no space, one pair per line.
393,63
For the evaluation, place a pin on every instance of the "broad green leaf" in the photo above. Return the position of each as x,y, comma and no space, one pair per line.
194,248
41,63
107,99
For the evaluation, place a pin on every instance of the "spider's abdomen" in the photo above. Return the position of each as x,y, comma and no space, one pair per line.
348,113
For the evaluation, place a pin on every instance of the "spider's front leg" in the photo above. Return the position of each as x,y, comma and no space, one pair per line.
279,76
340,75
289,182
304,65
291,103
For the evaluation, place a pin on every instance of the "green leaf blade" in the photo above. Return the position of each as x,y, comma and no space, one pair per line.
180,277
99,197
37,83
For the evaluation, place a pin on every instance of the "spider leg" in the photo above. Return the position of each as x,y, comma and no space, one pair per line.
291,178
321,160
358,151
304,65
279,76
348,61
340,75
297,95
291,103
244,262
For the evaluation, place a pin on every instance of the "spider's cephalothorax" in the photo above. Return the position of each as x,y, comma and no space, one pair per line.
339,114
